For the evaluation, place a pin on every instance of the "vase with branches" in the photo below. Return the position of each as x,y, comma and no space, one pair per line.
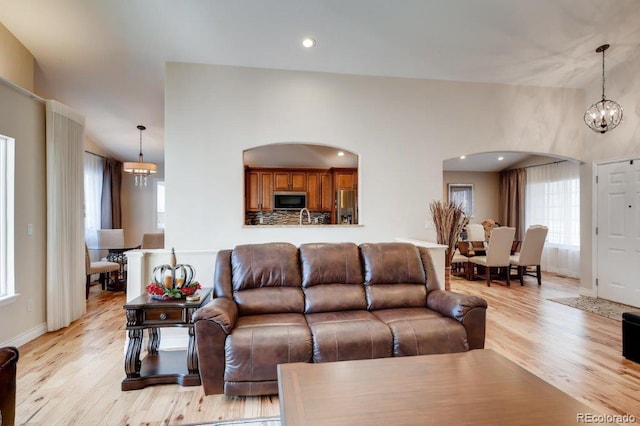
449,220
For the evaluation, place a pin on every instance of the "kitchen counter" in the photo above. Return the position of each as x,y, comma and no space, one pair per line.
310,225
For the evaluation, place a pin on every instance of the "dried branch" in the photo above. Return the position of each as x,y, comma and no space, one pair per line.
449,220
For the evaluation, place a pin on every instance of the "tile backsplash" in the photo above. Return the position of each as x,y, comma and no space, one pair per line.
285,217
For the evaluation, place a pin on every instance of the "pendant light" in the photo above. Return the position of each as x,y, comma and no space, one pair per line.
140,170
606,114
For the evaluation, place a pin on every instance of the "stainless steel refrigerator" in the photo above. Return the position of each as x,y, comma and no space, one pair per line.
346,207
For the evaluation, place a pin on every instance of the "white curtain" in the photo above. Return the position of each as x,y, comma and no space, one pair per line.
93,168
65,229
553,199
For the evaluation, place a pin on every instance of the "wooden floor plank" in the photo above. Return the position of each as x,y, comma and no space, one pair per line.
73,376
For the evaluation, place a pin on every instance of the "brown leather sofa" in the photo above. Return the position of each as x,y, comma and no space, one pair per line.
275,303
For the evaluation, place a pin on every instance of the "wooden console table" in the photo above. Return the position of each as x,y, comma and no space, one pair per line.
160,367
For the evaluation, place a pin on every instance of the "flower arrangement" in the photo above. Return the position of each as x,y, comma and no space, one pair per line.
158,291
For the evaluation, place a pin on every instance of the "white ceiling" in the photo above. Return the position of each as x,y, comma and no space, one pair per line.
106,58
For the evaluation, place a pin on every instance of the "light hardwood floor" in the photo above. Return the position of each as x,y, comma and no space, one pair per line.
73,376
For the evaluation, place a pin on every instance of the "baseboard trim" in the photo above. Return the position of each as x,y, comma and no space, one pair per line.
27,336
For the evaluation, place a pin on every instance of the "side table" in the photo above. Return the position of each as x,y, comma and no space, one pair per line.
160,367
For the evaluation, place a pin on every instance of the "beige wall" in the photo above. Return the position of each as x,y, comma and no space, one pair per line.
16,62
138,207
486,193
23,118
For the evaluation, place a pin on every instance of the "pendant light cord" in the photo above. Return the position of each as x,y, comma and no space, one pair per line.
603,98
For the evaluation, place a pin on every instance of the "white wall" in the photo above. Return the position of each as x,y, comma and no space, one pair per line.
402,129
622,86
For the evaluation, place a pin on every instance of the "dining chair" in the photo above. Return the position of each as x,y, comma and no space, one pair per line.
461,259
153,240
497,253
110,238
475,232
104,268
530,253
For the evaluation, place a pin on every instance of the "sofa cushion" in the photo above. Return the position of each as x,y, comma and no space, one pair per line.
332,277
421,331
390,263
265,265
266,279
394,276
348,335
329,263
259,343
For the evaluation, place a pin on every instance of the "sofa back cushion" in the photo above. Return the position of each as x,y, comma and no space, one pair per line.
394,276
266,278
332,277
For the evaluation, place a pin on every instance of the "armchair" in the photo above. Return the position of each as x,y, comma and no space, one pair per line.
8,361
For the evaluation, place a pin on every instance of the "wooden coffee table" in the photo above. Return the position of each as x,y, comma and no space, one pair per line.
470,388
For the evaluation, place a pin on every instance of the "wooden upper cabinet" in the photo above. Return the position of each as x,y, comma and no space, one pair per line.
345,179
290,181
313,192
326,193
258,190
319,191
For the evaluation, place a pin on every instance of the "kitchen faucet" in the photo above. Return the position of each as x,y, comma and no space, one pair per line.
308,215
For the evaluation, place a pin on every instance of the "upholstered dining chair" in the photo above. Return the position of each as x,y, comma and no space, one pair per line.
530,252
498,251
475,232
460,259
153,240
8,362
101,267
110,238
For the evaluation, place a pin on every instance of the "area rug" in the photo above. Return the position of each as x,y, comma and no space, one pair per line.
596,306
262,421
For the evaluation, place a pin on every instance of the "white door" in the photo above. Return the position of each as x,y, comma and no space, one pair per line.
618,239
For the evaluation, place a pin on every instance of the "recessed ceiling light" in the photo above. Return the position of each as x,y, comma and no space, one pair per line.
340,154
308,42
462,157
500,158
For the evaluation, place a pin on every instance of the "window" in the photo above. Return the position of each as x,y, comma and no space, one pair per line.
160,204
462,194
7,159
93,169
552,198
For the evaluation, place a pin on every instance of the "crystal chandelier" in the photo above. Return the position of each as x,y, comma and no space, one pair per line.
140,170
606,114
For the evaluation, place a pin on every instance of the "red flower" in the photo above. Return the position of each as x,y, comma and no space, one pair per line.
173,293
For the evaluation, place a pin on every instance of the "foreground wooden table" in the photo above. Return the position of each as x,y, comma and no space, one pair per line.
476,387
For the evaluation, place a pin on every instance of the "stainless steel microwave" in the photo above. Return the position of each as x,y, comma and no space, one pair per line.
289,200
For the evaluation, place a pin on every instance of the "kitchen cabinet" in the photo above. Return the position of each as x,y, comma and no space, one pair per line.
319,191
290,181
259,190
345,179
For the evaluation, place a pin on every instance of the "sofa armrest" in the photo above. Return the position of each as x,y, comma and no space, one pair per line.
213,323
471,311
221,310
